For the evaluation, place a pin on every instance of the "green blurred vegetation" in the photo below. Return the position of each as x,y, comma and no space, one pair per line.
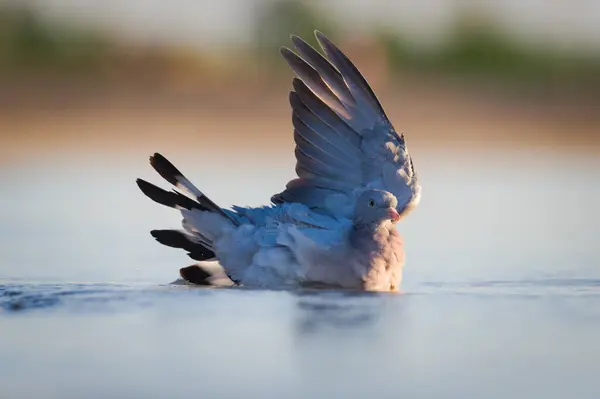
276,21
474,49
27,42
477,48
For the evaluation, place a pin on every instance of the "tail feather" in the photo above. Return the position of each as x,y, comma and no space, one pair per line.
177,239
200,237
171,174
196,275
171,199
200,274
193,204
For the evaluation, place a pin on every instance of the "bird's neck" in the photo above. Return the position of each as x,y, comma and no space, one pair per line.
371,231
366,228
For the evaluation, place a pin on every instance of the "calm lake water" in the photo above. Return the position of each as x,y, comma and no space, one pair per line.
501,292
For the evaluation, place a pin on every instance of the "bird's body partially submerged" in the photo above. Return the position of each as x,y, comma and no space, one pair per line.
335,224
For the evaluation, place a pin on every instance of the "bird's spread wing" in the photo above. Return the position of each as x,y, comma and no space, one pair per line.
344,140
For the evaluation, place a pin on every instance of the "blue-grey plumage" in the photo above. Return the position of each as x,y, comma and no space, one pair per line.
336,223
373,232
350,118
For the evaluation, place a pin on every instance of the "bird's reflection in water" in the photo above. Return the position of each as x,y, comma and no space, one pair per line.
323,312
340,334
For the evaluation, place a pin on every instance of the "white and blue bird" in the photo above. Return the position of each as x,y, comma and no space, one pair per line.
334,225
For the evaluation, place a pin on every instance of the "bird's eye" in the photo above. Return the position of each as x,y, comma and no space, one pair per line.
372,204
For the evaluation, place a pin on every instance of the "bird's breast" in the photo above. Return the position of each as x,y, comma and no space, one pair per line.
379,258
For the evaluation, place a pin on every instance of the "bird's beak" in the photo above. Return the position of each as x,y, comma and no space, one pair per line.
393,214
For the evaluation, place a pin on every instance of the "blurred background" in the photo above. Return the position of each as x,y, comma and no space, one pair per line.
499,101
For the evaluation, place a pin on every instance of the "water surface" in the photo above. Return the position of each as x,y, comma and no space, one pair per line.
495,340
501,292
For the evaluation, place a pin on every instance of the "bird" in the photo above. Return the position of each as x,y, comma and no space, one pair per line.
335,224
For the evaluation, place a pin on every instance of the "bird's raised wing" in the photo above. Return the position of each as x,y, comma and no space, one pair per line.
344,141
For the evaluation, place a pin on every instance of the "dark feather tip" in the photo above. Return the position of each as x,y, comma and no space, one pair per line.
167,198
284,51
202,254
195,274
165,168
176,239
172,199
171,238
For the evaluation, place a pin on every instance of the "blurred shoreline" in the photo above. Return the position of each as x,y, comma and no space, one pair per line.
37,118
70,87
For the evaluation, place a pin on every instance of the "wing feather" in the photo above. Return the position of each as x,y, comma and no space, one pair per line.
316,167
327,138
326,114
312,79
329,74
344,140
320,148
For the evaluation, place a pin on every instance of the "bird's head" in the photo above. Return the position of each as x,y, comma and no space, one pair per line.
376,206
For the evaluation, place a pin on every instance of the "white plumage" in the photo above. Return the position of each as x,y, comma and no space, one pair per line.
334,224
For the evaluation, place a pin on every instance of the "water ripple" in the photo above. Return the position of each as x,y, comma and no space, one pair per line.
79,296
